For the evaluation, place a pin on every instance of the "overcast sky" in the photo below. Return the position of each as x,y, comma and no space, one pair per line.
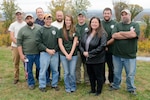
31,5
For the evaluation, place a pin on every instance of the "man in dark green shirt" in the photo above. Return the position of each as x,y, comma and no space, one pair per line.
81,28
47,43
125,35
108,25
28,51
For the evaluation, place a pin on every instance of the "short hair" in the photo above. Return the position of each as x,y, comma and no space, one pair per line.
39,8
107,8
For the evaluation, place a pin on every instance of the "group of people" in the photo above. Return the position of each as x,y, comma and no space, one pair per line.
49,44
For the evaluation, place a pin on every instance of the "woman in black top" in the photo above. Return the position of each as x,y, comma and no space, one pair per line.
92,47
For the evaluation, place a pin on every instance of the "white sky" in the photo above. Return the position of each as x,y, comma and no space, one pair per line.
31,5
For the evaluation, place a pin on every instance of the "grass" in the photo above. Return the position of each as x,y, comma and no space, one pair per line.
20,91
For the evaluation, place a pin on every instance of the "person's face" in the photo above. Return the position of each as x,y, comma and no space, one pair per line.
94,24
125,17
19,16
48,21
59,16
81,18
107,15
29,20
40,13
68,21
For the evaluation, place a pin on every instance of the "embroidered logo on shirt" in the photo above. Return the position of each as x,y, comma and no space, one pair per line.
112,26
53,32
86,29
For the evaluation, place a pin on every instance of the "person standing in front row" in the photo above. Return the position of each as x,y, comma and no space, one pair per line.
14,29
59,24
81,28
67,40
26,42
108,25
47,43
125,35
92,47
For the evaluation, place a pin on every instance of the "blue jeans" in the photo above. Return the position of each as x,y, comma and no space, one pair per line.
34,58
130,69
45,61
69,72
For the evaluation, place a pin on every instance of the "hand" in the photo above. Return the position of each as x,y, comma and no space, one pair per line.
69,57
23,57
50,51
86,54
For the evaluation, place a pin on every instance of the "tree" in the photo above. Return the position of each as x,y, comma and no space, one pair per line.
8,7
118,7
68,6
146,19
135,10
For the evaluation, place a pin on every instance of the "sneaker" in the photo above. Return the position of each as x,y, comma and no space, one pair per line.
97,93
133,92
48,84
91,92
16,81
111,88
31,87
56,88
42,89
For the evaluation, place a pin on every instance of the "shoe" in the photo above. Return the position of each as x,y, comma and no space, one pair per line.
111,88
42,89
31,87
48,84
56,88
16,81
133,92
91,92
97,93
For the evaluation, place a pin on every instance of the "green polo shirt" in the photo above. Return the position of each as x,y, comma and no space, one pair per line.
81,29
108,26
47,38
68,44
126,48
27,39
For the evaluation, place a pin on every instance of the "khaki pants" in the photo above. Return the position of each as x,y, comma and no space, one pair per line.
78,70
16,60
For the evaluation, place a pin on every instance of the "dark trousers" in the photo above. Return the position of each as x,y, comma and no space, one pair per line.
95,72
110,68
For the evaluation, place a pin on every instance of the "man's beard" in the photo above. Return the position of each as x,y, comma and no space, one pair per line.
30,23
108,19
125,21
59,20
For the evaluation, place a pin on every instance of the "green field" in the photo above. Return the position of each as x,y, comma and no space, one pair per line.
20,91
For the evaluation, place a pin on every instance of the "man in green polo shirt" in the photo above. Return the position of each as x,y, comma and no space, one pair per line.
27,47
81,28
125,35
47,43
108,25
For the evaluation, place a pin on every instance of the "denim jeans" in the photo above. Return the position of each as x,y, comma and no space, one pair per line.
69,72
130,69
46,60
34,58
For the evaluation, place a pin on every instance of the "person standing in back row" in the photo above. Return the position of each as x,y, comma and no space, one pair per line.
108,25
81,29
125,35
59,24
14,29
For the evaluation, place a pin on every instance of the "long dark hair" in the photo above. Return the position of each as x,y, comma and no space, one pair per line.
100,30
72,29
